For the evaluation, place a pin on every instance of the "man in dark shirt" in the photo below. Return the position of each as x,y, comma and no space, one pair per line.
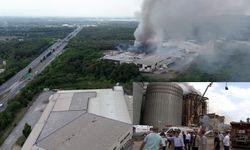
184,139
216,141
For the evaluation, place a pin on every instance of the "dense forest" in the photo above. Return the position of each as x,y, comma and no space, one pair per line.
106,36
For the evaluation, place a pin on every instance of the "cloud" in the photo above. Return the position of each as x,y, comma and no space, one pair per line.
233,103
81,8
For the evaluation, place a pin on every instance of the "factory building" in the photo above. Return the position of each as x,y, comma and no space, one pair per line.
213,121
89,119
122,57
216,119
164,104
155,62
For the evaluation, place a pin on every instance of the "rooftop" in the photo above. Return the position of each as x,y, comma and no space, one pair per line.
74,119
123,57
156,59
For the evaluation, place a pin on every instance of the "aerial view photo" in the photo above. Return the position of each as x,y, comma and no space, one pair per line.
124,75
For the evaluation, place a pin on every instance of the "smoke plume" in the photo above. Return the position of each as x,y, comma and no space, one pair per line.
162,20
217,30
188,89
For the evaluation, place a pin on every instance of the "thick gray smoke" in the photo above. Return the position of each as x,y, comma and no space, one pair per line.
163,20
217,30
188,89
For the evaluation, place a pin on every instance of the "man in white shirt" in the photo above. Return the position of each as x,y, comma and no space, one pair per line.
221,137
203,140
164,139
178,141
188,139
226,141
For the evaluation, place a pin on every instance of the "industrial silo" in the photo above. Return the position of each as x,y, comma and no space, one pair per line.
163,105
139,89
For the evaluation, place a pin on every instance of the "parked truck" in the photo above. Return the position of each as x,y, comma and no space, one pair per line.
240,134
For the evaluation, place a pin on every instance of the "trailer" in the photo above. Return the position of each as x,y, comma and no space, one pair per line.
240,134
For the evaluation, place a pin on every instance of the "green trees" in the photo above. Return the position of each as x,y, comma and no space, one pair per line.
19,54
126,72
5,119
26,130
79,67
106,36
114,71
84,65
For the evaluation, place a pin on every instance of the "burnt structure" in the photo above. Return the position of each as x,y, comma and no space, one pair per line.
191,100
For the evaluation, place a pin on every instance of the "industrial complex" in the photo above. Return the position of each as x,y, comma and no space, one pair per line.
82,118
164,104
157,62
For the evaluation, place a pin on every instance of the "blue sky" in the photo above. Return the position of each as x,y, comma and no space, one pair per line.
233,103
77,8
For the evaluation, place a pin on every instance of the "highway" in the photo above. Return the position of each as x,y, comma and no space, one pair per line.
11,87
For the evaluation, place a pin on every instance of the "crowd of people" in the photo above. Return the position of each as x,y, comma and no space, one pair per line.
189,140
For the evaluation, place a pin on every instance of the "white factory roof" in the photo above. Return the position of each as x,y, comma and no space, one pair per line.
157,58
123,57
78,118
110,104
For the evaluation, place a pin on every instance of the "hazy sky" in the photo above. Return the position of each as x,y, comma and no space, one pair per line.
233,103
77,8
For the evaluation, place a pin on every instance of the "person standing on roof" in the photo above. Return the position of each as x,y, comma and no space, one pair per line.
152,141
178,141
226,141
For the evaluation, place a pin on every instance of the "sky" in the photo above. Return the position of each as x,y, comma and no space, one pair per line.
234,103
70,8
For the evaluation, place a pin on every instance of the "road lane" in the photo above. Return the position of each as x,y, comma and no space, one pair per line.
11,87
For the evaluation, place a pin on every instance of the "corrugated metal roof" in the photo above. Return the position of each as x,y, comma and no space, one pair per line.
164,58
57,120
88,131
66,123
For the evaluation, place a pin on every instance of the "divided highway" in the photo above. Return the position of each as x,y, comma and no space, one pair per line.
11,87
